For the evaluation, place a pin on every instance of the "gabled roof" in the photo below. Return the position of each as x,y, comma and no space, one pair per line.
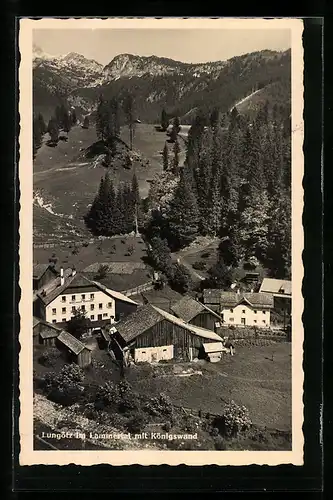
36,321
141,320
232,299
148,315
40,269
212,296
188,308
50,333
80,280
271,285
71,342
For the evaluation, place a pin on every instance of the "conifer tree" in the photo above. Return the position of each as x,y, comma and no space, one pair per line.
58,116
165,157
74,117
66,121
42,124
175,162
120,210
128,107
164,120
220,275
53,130
85,122
113,125
183,213
102,119
135,195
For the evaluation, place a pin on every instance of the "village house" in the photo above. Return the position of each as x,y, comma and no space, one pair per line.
195,312
241,309
152,334
42,274
75,350
101,304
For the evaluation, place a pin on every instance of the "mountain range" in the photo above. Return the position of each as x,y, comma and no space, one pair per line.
158,82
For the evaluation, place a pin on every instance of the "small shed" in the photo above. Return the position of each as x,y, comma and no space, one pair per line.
76,350
213,351
44,333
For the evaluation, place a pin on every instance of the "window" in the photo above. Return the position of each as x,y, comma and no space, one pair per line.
255,312
264,321
63,310
231,310
63,298
73,309
105,315
100,306
231,319
83,296
73,298
83,308
63,320
54,311
92,296
164,350
243,311
54,321
109,305
254,321
264,312
92,317
92,307
99,316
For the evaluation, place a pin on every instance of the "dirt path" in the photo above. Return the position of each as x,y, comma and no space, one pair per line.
195,248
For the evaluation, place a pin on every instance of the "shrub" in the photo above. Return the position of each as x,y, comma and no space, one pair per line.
190,424
167,426
85,244
235,419
49,357
107,395
160,405
137,422
180,279
199,265
130,249
75,251
215,431
64,387
219,443
101,272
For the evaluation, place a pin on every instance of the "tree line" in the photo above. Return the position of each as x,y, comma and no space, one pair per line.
235,184
115,210
62,119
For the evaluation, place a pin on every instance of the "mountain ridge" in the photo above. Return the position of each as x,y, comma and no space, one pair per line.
158,82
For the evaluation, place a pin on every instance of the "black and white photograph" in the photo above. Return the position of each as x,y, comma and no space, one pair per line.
161,239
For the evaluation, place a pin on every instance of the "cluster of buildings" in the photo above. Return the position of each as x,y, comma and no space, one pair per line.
192,328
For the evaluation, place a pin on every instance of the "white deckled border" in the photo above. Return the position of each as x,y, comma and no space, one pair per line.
28,456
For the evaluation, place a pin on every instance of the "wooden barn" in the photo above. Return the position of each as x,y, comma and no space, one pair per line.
44,333
194,312
152,334
42,274
76,351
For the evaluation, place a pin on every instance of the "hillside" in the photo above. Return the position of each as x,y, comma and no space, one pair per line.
156,82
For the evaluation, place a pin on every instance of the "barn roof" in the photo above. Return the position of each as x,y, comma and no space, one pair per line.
40,269
147,316
71,342
79,280
270,285
141,320
196,330
188,308
211,296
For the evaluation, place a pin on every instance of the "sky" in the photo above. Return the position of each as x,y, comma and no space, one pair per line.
190,45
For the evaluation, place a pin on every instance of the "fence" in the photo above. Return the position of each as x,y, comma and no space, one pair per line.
145,287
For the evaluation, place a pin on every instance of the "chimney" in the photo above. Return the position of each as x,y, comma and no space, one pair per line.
62,279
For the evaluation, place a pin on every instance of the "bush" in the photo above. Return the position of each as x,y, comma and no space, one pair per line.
107,395
167,426
75,251
137,422
199,265
49,357
64,387
235,419
180,279
160,405
102,271
130,249
219,443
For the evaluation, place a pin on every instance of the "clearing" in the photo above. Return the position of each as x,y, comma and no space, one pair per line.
65,182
